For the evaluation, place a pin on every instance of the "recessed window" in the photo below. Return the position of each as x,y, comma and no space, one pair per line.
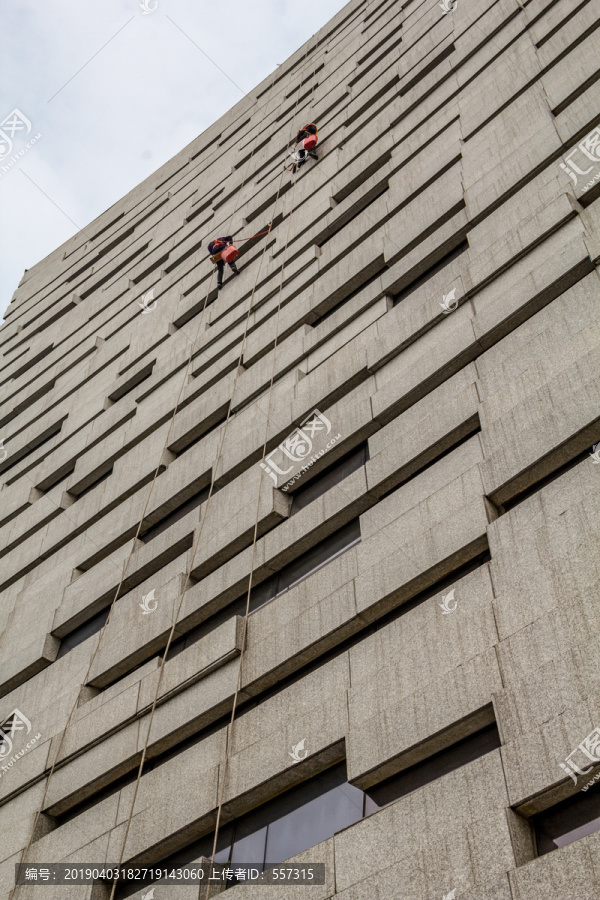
95,483
432,768
568,821
82,633
314,559
272,587
331,476
279,829
187,506
431,271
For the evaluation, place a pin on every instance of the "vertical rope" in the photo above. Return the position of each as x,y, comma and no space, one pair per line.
199,536
229,735
130,554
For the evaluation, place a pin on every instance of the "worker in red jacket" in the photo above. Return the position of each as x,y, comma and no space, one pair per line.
215,248
307,131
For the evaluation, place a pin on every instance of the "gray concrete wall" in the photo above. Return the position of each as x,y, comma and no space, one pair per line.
445,144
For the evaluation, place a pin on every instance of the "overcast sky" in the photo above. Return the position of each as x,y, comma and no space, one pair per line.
114,93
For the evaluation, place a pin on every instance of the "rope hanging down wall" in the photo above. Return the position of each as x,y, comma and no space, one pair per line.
229,736
56,754
199,536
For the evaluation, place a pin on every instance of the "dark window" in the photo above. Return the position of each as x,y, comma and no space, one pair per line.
176,515
315,558
546,480
16,456
296,820
433,270
331,476
434,767
82,633
568,821
238,608
353,287
277,584
94,484
334,545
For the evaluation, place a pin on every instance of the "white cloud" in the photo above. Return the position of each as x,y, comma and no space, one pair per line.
116,93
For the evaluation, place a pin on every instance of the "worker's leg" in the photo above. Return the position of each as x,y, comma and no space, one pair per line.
220,268
302,160
234,268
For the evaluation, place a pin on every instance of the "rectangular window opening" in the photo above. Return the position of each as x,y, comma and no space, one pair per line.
305,565
329,477
176,514
431,271
184,445
34,444
82,633
32,362
99,480
333,309
543,482
567,821
473,427
299,818
433,767
113,272
351,288
132,382
115,242
360,207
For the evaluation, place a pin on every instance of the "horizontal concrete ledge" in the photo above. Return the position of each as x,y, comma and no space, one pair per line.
467,428
562,791
242,804
440,741
425,579
48,654
551,462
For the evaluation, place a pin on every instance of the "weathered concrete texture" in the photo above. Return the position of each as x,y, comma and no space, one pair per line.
432,287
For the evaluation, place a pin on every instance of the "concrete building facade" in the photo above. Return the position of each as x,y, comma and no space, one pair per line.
307,569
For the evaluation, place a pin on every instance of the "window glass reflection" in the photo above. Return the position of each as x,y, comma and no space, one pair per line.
250,848
568,821
434,767
314,822
315,558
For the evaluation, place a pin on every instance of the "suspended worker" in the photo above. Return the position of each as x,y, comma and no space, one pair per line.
222,251
306,141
